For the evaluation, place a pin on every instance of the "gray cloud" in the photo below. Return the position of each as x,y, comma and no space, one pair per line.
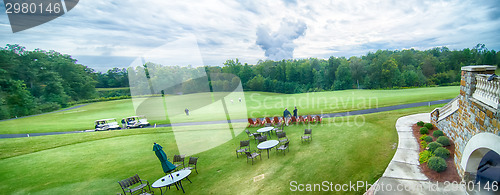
279,45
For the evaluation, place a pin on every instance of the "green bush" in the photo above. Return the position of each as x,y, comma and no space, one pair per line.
437,164
437,133
429,126
428,139
442,152
423,144
424,130
433,146
420,123
443,140
424,156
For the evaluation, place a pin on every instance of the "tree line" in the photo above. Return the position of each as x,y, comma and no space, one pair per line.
38,81
382,69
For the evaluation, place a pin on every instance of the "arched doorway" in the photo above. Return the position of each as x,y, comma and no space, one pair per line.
481,159
489,168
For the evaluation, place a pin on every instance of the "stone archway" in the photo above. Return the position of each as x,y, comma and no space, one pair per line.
477,147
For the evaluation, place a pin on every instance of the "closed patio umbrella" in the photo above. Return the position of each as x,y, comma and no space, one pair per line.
165,164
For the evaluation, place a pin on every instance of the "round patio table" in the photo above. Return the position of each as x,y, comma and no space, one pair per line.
267,145
168,180
266,129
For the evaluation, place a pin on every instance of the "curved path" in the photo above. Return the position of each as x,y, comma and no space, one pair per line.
403,174
340,114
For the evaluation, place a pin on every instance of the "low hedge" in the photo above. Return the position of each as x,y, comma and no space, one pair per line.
437,164
424,130
437,133
433,146
443,140
420,123
429,126
442,152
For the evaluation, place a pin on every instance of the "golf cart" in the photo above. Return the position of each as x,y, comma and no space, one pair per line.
136,121
106,124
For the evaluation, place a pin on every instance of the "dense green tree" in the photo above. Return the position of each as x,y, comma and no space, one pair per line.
343,77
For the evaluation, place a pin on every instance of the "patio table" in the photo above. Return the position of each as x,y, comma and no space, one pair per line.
266,129
267,145
168,180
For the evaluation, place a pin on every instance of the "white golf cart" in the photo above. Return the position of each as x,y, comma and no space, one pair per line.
106,124
136,122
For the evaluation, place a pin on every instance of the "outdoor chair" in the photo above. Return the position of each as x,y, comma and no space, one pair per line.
252,155
309,119
301,120
282,137
259,122
268,122
262,139
251,123
307,135
318,119
178,161
294,120
134,184
256,136
283,147
192,164
251,134
277,121
244,146
279,129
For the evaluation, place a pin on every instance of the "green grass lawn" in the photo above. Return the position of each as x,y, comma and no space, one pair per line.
255,104
92,163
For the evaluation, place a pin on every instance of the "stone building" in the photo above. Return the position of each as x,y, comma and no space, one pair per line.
472,121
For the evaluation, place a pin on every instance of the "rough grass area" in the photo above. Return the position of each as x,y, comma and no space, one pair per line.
342,150
254,104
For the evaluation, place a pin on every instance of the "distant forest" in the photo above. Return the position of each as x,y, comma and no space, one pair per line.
38,81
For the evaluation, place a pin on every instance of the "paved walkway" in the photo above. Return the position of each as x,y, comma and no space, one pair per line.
340,114
403,175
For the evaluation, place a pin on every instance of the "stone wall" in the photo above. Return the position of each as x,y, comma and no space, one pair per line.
471,117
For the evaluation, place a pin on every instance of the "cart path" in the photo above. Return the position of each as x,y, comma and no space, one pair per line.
330,115
66,109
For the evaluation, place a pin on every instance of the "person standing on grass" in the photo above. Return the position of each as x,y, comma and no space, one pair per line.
286,115
187,112
123,123
295,112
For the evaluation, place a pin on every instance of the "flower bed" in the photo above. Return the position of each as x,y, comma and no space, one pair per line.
450,173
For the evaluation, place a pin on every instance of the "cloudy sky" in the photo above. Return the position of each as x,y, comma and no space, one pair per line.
103,34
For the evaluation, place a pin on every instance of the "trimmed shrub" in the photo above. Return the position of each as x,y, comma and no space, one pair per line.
424,156
443,140
442,152
428,139
429,126
437,164
437,133
433,146
420,123
423,144
424,130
